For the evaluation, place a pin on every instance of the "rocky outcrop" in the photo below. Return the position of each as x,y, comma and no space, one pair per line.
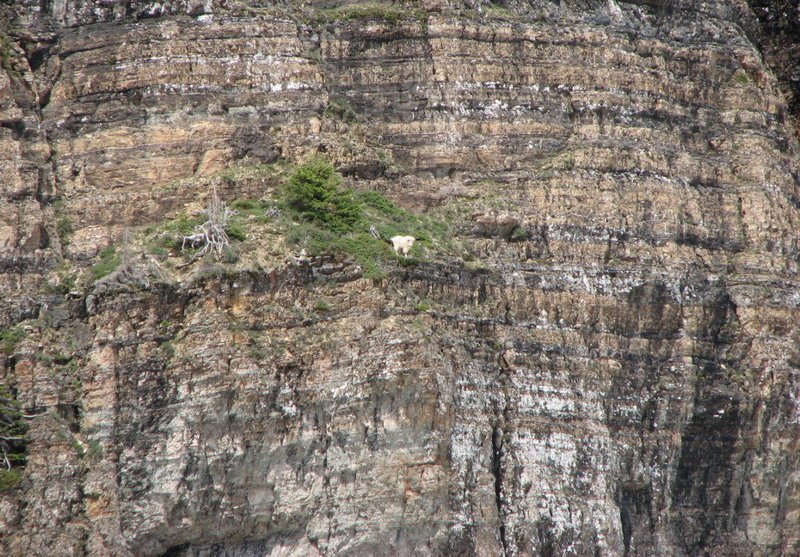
615,372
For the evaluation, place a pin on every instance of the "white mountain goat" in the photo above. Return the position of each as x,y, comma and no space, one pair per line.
402,244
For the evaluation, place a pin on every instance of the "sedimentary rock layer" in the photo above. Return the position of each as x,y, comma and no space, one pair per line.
621,378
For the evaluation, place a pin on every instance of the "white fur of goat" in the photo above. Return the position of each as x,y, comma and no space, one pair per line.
402,244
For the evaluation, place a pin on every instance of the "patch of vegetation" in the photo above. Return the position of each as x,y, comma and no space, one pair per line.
6,53
248,206
94,451
9,338
261,211
382,205
357,224
341,109
740,78
64,227
108,262
9,479
366,250
160,252
423,306
215,271
519,234
12,440
313,194
322,305
236,232
310,211
169,236
315,55
168,349
77,446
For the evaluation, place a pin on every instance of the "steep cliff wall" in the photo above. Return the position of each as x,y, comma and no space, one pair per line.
615,372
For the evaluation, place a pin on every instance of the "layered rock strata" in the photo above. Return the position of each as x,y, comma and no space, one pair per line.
619,376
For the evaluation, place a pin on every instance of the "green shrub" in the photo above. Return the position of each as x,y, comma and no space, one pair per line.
740,77
9,338
185,224
169,236
230,256
6,53
423,306
12,429
66,276
340,108
519,234
9,479
235,232
312,193
249,207
366,250
160,251
307,234
245,205
64,227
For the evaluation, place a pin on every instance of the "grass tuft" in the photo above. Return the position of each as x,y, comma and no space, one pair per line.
109,260
9,338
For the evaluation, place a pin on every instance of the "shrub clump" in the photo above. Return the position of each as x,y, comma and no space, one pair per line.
341,109
12,440
313,193
9,338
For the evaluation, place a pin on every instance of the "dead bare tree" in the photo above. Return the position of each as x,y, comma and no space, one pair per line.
210,236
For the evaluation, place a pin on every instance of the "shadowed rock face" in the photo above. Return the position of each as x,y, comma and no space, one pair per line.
618,375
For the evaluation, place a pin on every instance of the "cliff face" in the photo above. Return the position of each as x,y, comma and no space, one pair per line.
614,372
778,36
